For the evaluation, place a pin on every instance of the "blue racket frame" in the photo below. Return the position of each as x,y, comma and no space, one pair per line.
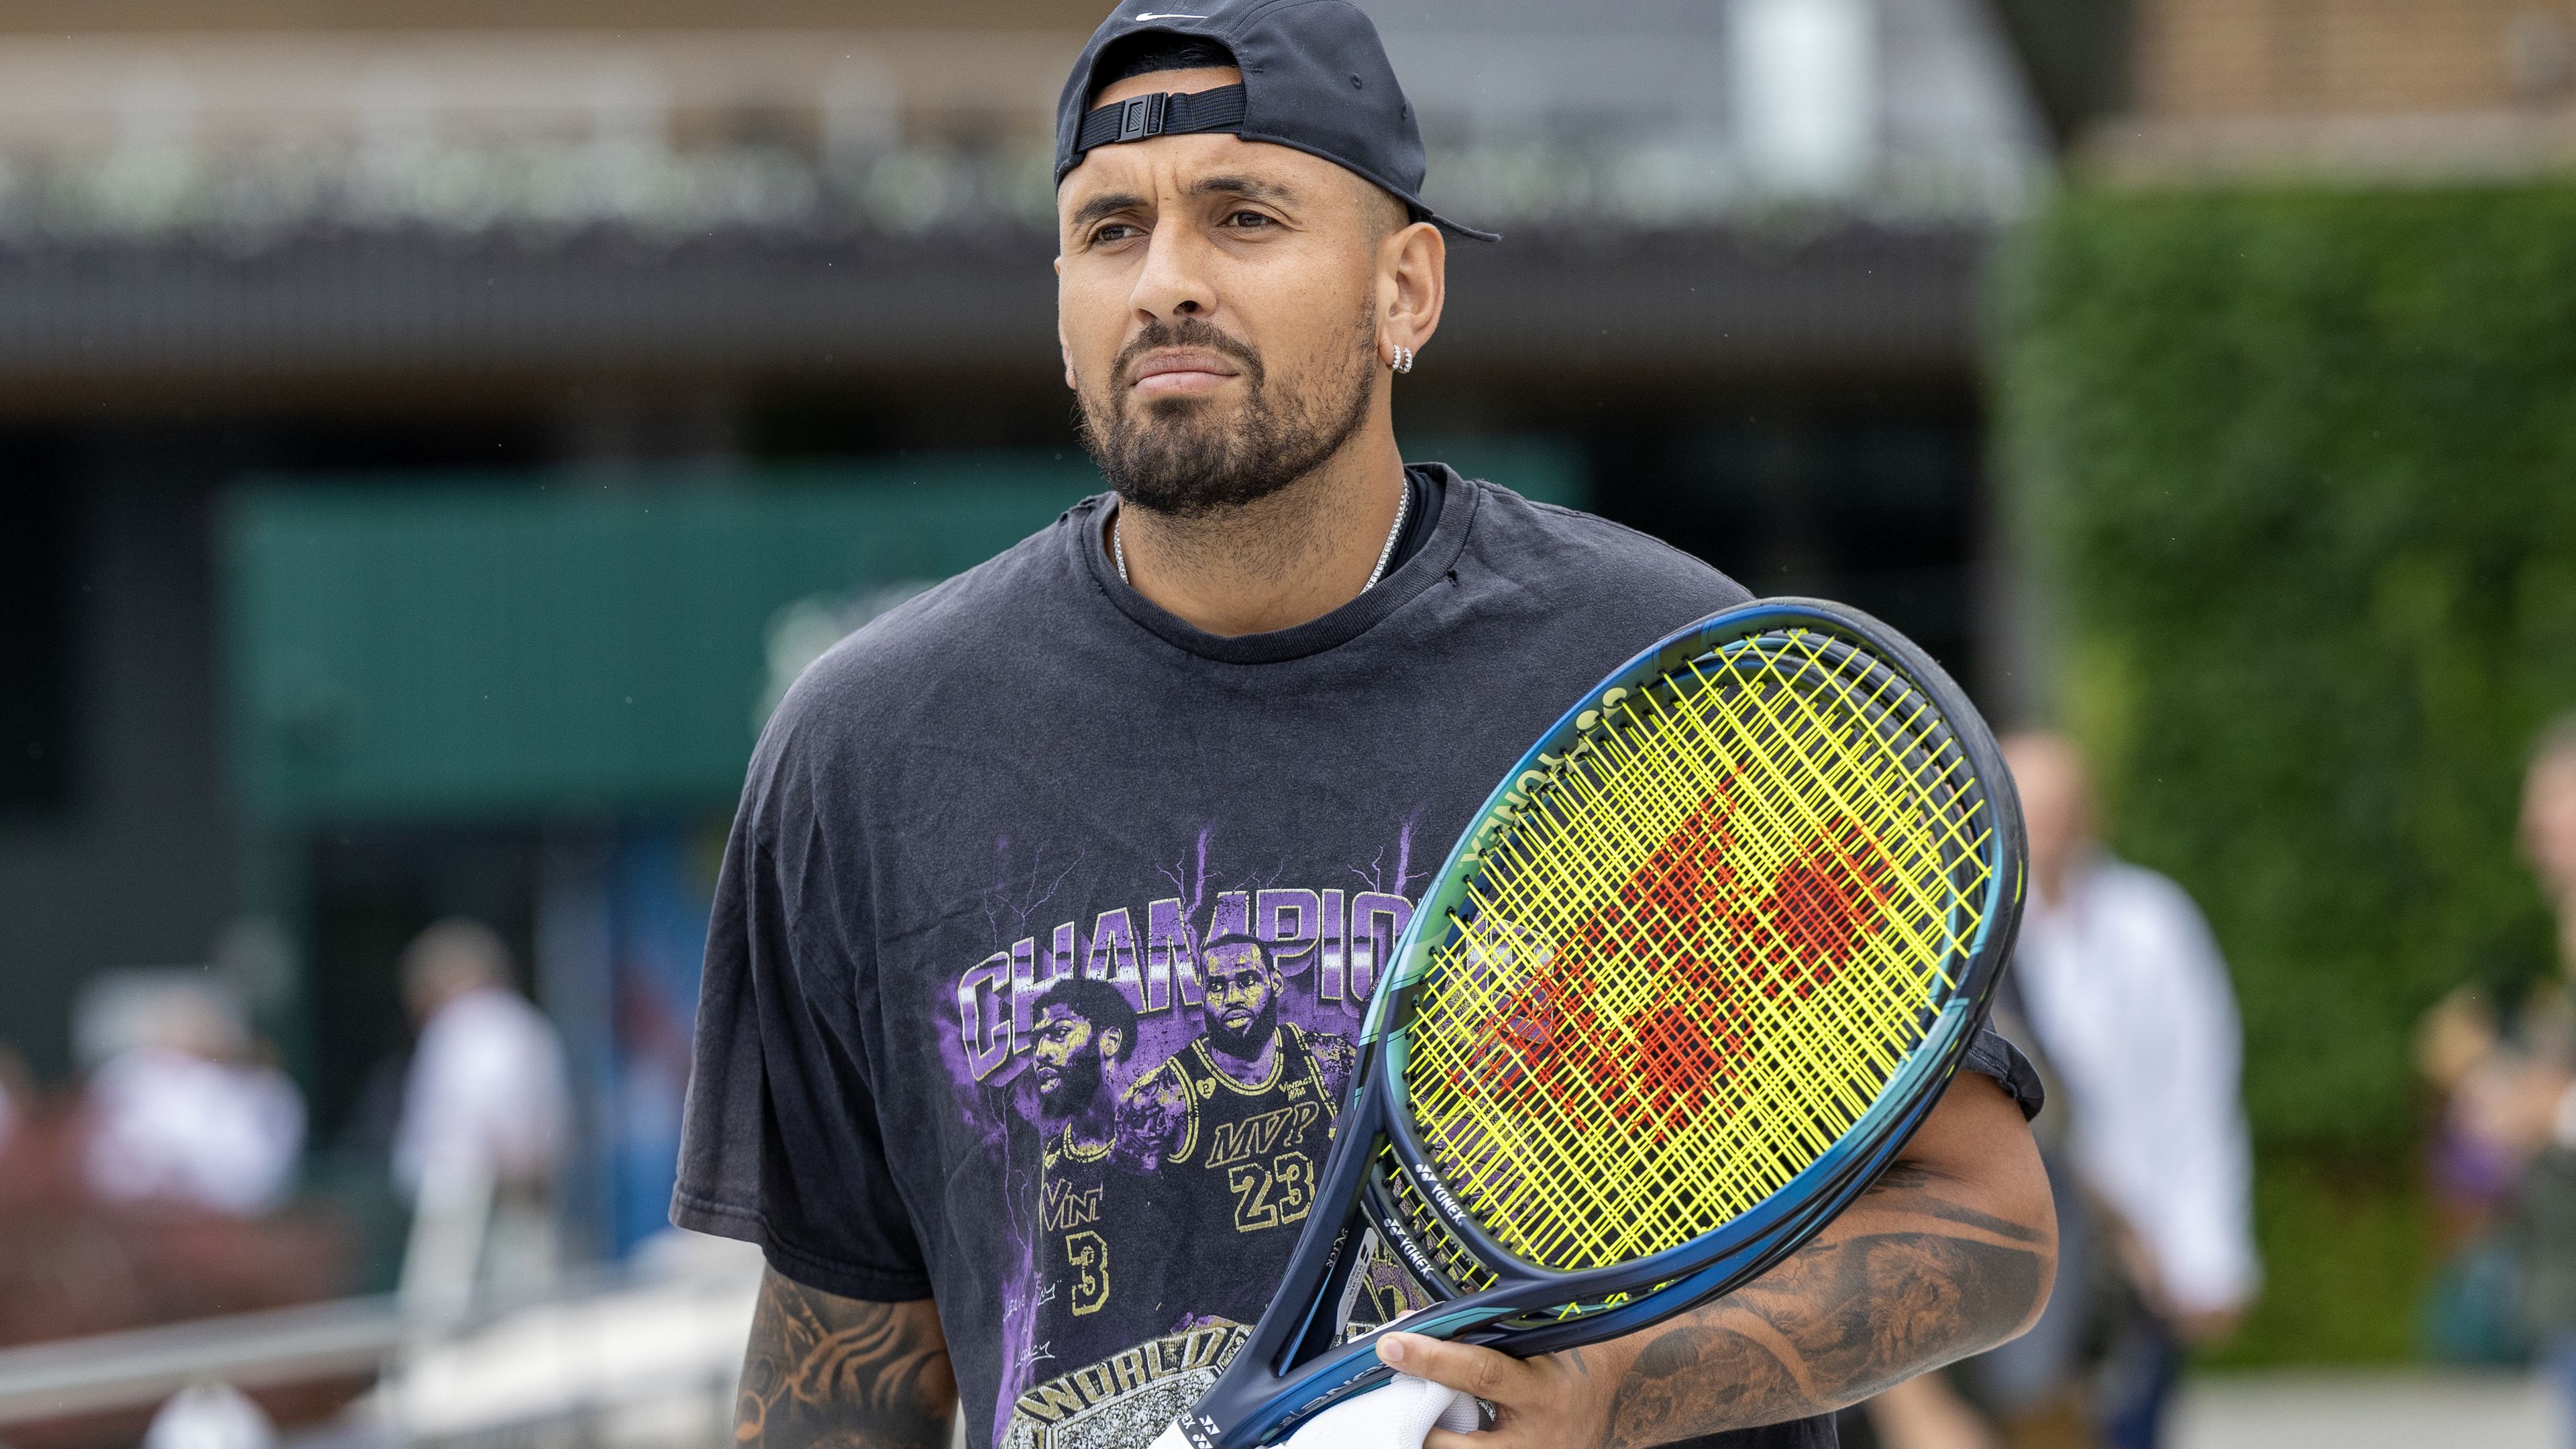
1291,1367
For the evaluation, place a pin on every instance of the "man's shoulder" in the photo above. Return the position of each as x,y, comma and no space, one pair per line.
1330,1048
954,632
1575,555
2141,893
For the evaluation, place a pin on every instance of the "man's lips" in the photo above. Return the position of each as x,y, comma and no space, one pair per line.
1178,370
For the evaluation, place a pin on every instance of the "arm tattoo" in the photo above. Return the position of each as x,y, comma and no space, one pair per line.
1840,1320
824,1372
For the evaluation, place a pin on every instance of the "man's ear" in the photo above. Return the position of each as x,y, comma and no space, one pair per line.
1113,1044
1413,283
1065,352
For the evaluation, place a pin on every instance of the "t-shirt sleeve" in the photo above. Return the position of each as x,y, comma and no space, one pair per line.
1990,1055
781,1143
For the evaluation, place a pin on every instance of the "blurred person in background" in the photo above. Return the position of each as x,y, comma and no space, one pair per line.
486,1120
2512,1109
2129,999
190,1115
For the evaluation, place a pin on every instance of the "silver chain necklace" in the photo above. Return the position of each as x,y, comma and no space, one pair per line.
1385,555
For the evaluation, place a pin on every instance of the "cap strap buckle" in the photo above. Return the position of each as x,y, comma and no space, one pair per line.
1142,117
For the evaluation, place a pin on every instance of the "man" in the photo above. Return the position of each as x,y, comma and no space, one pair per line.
486,1120
2519,1097
1083,1029
1237,1122
1265,1071
2131,1004
1253,692
188,1114
1095,1218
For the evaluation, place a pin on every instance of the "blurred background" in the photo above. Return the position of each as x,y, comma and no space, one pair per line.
432,432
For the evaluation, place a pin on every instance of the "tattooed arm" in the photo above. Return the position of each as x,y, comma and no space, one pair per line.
1950,1252
841,1373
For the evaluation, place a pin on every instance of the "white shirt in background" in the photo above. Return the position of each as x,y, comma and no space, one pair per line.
2131,1001
172,1127
487,1089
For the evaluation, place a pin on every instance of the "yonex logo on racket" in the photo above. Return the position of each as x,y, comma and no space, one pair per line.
1439,1191
1591,719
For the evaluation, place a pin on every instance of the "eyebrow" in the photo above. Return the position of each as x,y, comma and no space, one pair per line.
1251,188
1109,204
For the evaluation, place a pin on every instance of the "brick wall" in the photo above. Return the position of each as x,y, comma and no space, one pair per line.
2208,60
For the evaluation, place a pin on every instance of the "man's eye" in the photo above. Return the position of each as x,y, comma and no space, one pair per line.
1248,220
1112,232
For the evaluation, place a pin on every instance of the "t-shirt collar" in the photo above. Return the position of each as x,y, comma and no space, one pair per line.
1342,625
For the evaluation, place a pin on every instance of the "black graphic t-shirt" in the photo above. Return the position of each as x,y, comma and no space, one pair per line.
1048,921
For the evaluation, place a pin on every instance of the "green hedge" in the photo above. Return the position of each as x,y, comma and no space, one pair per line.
2302,467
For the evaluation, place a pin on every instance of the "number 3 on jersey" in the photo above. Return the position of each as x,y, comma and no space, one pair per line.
1088,1253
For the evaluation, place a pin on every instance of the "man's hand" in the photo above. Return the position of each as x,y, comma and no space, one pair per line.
824,1370
1559,1400
1950,1252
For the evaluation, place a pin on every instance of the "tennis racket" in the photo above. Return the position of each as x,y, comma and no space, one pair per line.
1699,967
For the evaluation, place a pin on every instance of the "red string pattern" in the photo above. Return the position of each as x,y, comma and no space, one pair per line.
1679,913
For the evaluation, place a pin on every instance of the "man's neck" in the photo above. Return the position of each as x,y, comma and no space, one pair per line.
1096,1125
1294,556
2053,883
1249,1071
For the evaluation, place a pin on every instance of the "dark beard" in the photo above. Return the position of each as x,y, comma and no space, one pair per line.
1075,1087
1245,1044
1178,461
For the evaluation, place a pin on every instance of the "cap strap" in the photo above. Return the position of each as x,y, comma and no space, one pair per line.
1166,113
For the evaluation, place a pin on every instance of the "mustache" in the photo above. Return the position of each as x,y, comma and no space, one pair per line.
1188,332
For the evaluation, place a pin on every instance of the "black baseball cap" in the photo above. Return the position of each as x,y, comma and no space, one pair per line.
1314,77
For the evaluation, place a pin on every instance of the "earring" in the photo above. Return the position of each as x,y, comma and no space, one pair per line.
1403,359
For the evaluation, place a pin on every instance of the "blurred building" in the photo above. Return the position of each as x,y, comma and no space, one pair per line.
432,428
2394,90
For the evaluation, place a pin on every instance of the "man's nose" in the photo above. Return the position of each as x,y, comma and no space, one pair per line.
1173,282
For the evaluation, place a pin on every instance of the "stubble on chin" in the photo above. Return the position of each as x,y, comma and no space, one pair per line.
1188,457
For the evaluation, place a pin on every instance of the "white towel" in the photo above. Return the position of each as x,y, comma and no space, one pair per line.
1397,1414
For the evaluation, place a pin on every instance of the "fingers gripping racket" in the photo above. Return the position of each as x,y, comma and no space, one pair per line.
1699,967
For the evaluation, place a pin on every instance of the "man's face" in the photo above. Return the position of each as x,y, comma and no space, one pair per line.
1241,1008
2549,823
1066,1060
2056,805
1217,300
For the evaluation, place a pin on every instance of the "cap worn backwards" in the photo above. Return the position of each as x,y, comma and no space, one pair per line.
1315,77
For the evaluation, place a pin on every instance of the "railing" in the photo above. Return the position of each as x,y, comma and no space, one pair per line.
638,1358
144,1366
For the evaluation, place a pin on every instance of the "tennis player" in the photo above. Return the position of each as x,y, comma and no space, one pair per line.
1198,743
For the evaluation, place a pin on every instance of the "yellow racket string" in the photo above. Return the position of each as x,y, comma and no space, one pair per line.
1699,954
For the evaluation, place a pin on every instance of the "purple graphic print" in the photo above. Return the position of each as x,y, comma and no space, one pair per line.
1326,944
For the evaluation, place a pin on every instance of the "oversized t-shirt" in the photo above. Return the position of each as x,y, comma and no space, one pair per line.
1047,923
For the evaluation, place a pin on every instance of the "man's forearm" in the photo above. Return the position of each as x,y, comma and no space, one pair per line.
827,1370
1909,1278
